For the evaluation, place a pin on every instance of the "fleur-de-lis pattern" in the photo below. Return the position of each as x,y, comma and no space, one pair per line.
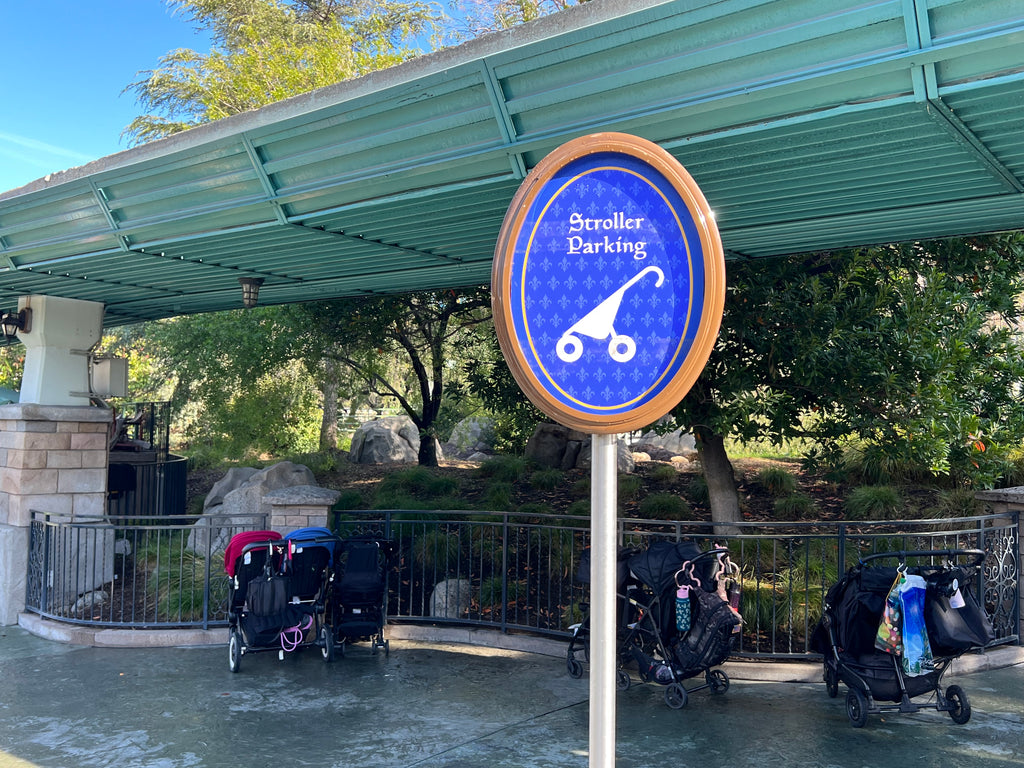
635,220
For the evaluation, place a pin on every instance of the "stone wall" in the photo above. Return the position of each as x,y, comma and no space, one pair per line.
52,459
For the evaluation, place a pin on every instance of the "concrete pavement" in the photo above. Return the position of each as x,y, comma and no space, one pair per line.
447,705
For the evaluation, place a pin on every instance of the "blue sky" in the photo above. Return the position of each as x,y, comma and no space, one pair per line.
63,65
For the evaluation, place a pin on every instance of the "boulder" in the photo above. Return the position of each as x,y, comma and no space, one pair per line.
390,440
474,434
243,507
234,477
624,457
451,599
552,445
663,447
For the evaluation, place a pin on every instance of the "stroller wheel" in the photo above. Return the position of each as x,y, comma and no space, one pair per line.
574,667
718,680
856,708
675,696
234,651
831,681
622,680
959,705
327,643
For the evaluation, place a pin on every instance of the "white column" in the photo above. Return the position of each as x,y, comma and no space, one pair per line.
56,349
603,559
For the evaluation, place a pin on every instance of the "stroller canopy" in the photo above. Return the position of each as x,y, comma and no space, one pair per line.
656,566
239,541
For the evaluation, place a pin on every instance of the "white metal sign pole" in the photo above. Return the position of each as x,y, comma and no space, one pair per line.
603,558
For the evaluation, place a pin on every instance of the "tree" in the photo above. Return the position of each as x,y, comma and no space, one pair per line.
365,335
267,50
913,349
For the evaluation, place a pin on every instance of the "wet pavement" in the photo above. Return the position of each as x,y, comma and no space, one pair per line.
447,705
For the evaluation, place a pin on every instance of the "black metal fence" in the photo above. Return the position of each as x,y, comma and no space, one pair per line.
506,571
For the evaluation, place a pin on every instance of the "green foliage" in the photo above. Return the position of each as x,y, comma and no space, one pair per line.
793,506
777,481
697,490
509,469
579,508
535,508
547,479
664,474
629,487
581,488
874,502
417,488
435,549
665,506
349,500
489,378
498,495
958,502
912,349
267,50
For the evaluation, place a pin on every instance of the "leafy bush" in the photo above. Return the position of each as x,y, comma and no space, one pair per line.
629,486
435,549
697,490
498,496
793,506
508,469
874,502
547,479
777,481
665,506
664,474
349,500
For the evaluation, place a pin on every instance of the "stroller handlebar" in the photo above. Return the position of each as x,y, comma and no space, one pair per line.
978,555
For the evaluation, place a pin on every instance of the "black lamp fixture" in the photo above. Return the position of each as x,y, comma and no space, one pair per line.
16,322
250,290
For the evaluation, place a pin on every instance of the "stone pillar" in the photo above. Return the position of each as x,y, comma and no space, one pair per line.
1002,501
52,459
300,506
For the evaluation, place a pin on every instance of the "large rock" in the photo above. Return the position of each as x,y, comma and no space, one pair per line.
676,443
474,434
623,457
390,440
552,445
451,599
243,507
234,477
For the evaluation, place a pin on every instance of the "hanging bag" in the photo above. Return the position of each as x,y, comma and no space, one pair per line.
917,651
889,637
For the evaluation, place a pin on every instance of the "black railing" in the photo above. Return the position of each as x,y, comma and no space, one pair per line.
506,571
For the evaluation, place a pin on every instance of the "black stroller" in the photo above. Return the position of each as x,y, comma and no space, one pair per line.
277,591
666,647
356,604
854,609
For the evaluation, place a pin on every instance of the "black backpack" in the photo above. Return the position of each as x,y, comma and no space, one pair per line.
709,640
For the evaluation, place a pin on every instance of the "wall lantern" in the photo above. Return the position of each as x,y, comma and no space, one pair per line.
250,290
16,322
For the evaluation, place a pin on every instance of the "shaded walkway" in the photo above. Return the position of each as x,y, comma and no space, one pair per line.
445,706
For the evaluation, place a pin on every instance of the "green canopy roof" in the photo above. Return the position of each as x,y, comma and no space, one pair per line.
808,125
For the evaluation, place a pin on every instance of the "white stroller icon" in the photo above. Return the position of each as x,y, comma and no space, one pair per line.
597,324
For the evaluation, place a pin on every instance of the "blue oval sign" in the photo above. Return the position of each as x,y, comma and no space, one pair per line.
608,283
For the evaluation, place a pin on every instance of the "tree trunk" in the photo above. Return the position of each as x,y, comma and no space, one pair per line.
718,473
329,423
427,456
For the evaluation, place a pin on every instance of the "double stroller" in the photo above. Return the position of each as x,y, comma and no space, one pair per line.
673,618
890,632
291,592
277,591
